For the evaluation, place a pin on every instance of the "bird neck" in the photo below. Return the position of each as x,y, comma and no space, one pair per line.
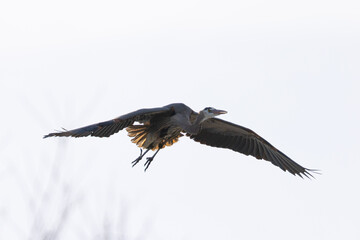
196,126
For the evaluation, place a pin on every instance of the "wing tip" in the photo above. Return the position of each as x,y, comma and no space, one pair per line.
48,135
57,134
308,173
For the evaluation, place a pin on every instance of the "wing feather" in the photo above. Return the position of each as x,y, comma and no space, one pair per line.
219,133
108,128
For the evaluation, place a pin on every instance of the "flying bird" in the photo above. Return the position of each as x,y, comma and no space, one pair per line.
157,128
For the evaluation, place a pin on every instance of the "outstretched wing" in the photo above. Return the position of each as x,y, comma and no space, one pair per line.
219,133
108,128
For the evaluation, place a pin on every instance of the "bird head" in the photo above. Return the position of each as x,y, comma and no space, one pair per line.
210,112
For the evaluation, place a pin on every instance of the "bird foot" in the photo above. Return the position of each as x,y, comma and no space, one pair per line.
138,159
147,163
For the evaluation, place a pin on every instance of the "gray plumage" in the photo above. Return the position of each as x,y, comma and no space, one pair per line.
160,127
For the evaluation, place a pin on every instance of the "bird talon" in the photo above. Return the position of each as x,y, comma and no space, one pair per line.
136,161
147,163
139,158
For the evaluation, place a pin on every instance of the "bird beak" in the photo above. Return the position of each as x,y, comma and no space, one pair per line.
218,112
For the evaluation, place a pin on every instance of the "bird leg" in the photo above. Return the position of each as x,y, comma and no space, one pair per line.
149,160
140,157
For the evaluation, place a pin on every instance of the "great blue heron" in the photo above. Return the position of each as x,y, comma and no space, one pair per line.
160,127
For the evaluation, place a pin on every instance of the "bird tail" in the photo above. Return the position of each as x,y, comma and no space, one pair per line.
138,134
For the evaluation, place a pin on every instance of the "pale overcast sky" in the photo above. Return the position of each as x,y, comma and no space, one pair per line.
289,71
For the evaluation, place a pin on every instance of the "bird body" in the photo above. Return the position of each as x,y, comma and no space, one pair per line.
161,127
156,133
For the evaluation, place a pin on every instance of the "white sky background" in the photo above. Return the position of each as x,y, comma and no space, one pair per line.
289,71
